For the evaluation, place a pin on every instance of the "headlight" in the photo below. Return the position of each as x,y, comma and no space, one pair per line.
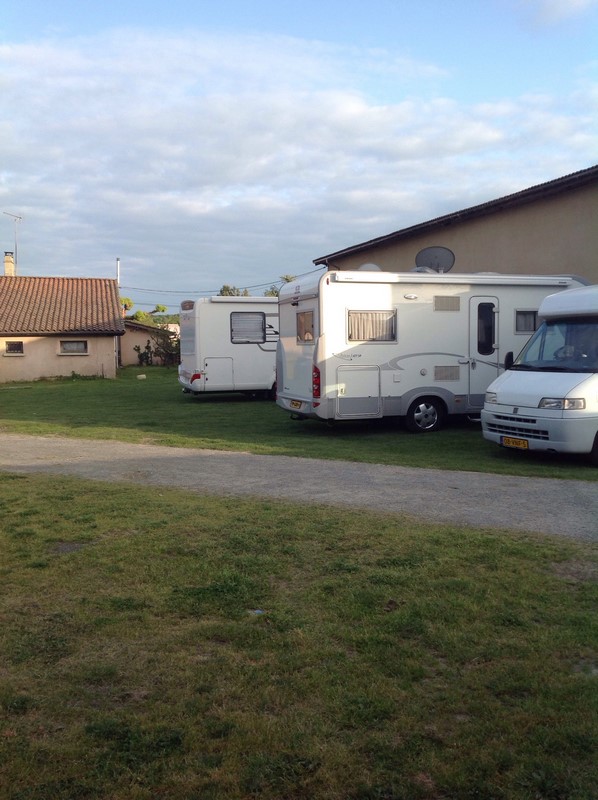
490,397
563,403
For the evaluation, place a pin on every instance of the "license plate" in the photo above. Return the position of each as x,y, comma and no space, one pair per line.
295,403
518,444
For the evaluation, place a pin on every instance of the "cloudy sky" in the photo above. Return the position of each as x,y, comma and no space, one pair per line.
204,142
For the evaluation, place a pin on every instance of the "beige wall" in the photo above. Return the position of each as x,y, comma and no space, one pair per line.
134,337
558,235
42,358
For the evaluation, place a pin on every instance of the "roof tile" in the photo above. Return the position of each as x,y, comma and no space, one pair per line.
42,306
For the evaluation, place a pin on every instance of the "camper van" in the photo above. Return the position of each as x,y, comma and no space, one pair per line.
418,345
228,344
547,399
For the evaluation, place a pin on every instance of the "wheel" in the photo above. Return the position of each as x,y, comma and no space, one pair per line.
425,415
593,456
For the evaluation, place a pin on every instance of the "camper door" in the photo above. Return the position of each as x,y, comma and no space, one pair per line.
483,361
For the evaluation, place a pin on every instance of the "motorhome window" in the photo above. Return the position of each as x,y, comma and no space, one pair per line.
526,321
305,327
248,327
73,347
485,329
14,348
372,326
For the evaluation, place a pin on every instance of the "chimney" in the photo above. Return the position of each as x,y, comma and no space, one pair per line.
9,263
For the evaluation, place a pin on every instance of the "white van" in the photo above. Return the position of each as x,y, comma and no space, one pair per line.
548,397
228,344
418,345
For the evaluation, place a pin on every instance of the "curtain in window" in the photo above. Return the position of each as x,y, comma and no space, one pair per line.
372,326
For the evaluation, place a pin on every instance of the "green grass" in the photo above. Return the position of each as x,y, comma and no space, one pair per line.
154,410
159,644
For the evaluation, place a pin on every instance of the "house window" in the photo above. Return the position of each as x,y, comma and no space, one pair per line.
372,326
305,327
14,349
73,347
526,321
248,327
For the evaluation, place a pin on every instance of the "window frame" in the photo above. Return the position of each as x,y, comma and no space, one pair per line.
392,317
63,347
305,330
519,315
236,337
18,352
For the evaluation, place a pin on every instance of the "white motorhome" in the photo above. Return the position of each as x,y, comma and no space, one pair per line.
228,344
418,345
547,399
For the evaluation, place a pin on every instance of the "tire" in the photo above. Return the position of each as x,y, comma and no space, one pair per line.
593,455
425,415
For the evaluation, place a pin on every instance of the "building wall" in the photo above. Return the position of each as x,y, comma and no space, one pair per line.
551,236
134,337
42,358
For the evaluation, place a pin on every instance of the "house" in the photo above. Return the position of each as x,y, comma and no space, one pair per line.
138,334
51,327
546,229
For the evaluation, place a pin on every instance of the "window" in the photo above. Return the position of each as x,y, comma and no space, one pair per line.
73,347
248,327
486,329
526,321
305,327
372,326
14,348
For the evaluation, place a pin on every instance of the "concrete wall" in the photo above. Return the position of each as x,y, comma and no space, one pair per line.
551,236
42,358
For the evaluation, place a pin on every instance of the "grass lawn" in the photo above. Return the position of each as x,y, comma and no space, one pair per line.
155,411
157,644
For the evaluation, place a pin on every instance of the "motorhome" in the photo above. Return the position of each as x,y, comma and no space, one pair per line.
228,344
547,399
418,345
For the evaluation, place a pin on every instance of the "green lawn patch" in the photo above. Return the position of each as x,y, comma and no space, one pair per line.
155,411
157,644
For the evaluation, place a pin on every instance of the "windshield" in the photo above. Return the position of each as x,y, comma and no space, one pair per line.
564,345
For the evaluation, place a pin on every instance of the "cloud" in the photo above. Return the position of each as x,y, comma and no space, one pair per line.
202,160
551,12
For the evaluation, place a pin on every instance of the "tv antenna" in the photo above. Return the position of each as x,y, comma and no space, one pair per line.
17,219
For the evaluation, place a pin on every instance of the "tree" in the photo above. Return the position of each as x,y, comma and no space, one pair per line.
126,303
232,291
274,290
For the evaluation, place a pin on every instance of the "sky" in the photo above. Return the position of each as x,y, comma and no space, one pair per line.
188,144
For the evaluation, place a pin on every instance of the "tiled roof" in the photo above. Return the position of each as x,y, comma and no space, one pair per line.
45,306
542,190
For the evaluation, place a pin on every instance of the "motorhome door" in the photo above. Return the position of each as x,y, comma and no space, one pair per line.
218,374
358,391
483,361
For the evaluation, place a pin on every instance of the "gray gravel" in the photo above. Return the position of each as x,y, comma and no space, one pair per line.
564,508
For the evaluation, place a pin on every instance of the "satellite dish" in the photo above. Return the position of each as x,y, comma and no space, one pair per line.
434,259
368,267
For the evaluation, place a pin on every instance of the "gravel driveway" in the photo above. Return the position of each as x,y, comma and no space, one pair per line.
564,508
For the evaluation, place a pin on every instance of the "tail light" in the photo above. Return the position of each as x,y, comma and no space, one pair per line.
315,382
195,377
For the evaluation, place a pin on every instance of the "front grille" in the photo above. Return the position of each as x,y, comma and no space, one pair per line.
517,426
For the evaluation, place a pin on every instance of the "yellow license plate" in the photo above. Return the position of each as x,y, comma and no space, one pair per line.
518,444
295,403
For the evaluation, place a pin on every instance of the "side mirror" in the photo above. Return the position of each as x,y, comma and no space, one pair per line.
509,360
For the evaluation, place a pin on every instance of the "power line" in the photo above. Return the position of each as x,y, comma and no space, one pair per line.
195,292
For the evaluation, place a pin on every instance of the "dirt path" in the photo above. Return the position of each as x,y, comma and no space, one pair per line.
564,508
